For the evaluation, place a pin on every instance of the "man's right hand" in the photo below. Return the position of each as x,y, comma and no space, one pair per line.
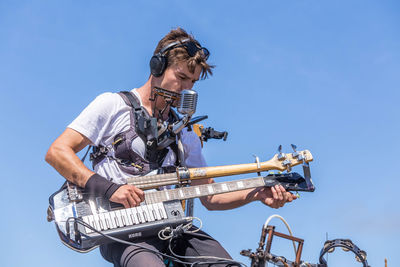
128,195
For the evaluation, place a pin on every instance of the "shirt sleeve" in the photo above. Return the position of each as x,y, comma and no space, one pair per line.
191,144
96,117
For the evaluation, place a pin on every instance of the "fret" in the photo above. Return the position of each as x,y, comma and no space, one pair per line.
197,190
180,192
210,188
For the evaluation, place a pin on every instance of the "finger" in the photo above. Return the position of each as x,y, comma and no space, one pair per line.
126,204
279,192
282,188
130,199
274,193
136,198
139,193
284,193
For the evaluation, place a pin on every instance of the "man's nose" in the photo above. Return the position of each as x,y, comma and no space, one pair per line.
187,85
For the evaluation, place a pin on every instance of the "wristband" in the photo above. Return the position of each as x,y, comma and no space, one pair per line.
99,186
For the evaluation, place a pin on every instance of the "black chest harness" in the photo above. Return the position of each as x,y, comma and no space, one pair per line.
156,137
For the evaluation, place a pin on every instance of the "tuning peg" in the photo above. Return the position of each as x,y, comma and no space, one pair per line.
294,147
281,156
288,165
296,154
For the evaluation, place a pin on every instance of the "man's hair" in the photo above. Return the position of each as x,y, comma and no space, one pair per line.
179,54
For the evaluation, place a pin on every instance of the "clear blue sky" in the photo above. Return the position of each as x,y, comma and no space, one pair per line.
324,75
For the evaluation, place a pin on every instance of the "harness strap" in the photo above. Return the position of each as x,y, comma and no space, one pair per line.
132,101
98,154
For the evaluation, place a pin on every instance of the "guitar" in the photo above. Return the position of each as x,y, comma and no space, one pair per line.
81,219
280,162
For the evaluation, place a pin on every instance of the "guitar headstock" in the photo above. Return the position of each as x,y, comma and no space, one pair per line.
285,161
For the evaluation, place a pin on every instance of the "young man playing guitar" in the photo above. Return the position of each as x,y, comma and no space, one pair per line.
125,145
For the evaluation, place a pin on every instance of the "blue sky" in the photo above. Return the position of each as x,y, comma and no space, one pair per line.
323,75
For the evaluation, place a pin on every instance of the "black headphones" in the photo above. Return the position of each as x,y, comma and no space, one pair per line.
159,62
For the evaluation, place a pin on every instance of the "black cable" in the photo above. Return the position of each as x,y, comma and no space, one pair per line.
216,261
173,258
87,151
81,222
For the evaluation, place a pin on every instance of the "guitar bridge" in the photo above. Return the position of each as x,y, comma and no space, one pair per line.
74,193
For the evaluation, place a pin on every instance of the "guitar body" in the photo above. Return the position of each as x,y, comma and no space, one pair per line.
70,206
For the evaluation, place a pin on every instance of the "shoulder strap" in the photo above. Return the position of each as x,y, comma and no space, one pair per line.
131,100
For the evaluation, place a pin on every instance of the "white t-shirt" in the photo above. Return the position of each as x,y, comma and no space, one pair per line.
108,115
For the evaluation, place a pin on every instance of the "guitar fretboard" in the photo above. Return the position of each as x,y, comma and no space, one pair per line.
202,190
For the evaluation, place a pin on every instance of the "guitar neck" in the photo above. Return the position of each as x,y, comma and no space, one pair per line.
202,190
227,170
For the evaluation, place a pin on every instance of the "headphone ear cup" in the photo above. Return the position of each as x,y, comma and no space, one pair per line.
157,65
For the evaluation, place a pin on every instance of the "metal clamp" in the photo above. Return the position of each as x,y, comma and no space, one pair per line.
258,164
183,173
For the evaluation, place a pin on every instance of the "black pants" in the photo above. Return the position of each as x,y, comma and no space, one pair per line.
198,244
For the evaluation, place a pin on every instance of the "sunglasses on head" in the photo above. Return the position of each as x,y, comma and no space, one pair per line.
192,48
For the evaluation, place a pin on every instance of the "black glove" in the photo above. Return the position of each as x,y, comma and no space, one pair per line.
99,186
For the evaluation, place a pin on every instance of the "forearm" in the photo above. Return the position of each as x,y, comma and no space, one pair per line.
230,200
67,163
62,156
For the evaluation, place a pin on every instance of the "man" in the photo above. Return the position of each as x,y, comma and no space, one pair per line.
124,149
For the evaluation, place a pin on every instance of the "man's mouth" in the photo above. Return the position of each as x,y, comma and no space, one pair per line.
170,97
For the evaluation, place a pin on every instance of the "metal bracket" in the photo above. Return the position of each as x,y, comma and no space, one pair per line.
258,164
307,174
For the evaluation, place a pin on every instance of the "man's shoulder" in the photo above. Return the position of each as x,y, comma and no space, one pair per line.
108,97
108,100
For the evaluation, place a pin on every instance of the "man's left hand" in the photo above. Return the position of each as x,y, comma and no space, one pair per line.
275,196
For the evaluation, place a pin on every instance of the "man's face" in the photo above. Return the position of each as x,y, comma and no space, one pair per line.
176,78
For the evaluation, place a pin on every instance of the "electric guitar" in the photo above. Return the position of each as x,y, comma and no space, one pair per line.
82,220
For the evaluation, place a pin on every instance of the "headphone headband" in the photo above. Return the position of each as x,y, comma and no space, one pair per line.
172,46
158,62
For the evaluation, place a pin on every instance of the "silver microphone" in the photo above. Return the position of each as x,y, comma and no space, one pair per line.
188,103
